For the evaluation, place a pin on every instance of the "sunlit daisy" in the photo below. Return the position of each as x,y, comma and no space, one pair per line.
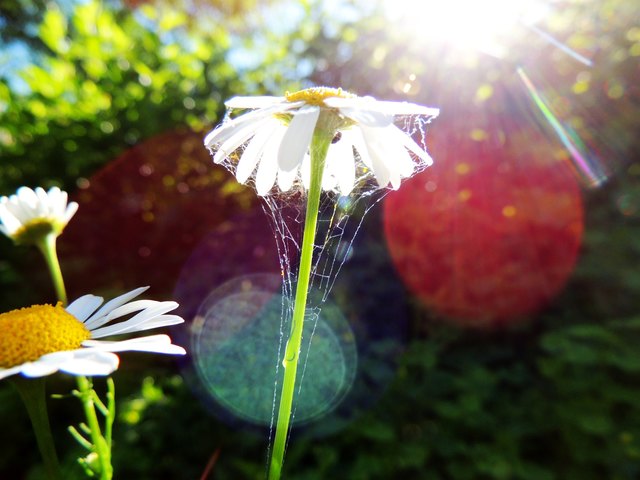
272,139
42,339
28,215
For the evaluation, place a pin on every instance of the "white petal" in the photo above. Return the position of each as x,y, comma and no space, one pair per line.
152,343
43,207
240,136
409,143
396,158
369,118
340,163
253,152
71,210
7,372
268,168
45,365
90,362
384,107
377,154
57,201
286,179
136,322
254,102
305,171
130,307
156,322
105,313
22,211
296,140
84,306
26,196
229,127
328,182
10,222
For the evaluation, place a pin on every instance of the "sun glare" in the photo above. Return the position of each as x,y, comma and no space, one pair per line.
469,24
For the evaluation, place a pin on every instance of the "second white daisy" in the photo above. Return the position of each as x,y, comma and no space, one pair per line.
271,141
29,214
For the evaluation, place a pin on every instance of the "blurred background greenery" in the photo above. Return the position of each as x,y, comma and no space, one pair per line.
495,299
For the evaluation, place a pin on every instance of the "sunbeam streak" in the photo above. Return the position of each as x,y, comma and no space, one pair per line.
561,46
588,165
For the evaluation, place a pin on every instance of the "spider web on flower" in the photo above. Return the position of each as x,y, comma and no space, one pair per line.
339,220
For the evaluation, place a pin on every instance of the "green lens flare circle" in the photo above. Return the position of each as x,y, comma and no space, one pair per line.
235,343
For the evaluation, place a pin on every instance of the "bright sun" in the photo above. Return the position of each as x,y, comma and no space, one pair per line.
483,25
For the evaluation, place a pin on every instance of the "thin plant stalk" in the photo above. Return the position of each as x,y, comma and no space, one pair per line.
101,446
32,392
319,146
88,397
48,248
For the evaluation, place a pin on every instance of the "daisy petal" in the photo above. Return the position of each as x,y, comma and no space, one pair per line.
101,317
268,168
251,155
91,362
240,136
230,127
45,365
84,306
71,210
370,118
151,343
377,155
397,157
286,179
409,143
305,171
135,323
7,372
254,102
296,140
340,160
383,107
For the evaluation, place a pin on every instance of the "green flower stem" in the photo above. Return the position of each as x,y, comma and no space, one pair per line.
32,392
47,246
319,146
102,447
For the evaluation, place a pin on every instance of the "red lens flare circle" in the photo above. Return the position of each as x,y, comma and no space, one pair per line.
491,232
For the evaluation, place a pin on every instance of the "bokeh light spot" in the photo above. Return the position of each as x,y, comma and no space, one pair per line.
462,168
484,93
506,250
479,135
464,195
615,91
430,186
235,339
580,87
509,211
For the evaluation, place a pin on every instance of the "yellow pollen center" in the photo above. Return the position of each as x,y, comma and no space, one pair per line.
28,333
317,95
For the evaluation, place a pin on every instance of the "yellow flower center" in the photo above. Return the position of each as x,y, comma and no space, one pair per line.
28,333
316,95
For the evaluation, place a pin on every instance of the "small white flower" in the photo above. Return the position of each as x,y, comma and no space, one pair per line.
29,214
43,339
274,139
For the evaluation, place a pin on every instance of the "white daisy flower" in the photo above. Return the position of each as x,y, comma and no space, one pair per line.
43,339
30,214
271,141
